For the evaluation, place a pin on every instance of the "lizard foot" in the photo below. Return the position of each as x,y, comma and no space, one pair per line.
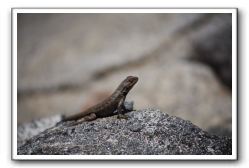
122,116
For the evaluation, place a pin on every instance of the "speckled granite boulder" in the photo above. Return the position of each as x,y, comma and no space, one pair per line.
146,132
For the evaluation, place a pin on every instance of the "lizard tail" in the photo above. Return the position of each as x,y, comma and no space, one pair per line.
73,117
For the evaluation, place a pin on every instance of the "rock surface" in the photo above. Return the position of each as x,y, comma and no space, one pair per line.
147,132
28,130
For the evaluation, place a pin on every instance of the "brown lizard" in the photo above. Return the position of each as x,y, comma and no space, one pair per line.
108,107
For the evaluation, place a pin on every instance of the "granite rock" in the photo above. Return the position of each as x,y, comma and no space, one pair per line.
146,132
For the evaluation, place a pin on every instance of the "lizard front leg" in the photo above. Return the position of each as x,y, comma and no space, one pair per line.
121,109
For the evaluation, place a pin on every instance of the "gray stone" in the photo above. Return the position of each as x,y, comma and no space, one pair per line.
146,132
26,131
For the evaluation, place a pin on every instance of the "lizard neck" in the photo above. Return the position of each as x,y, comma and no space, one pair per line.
117,94
124,87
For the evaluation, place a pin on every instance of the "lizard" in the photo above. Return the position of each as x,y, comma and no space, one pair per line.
109,106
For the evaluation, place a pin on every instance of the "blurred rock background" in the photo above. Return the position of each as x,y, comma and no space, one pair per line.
67,62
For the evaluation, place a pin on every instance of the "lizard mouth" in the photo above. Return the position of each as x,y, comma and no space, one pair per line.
127,84
133,79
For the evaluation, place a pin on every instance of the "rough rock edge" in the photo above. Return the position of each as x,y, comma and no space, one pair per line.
146,132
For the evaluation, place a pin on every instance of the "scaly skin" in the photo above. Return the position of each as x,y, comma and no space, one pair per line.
109,105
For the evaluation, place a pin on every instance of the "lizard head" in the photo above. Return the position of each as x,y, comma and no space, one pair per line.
127,84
